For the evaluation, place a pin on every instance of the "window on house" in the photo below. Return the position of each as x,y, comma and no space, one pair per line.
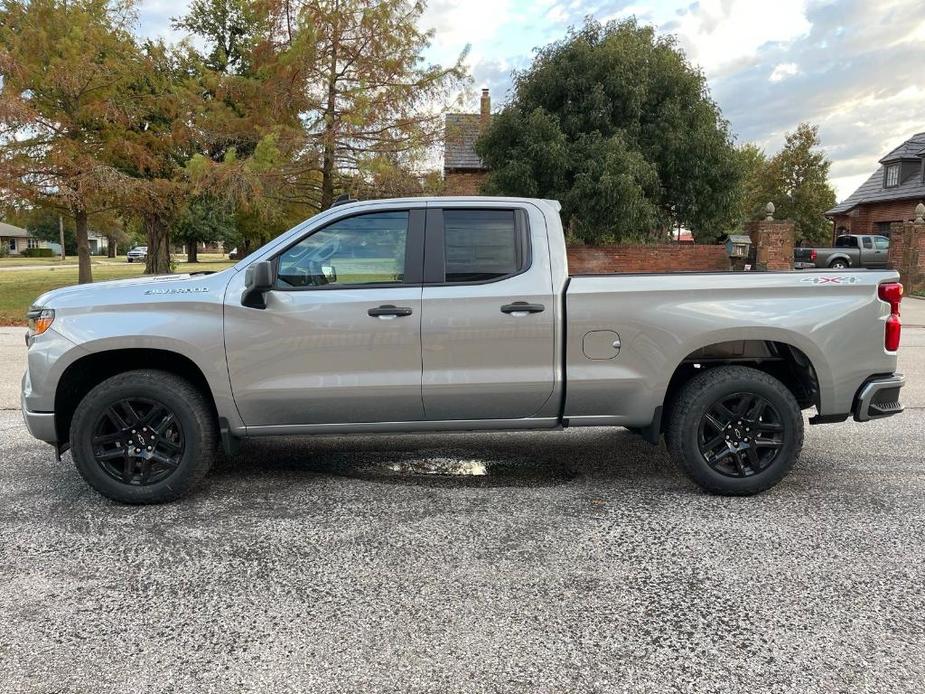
11,244
892,175
32,243
883,228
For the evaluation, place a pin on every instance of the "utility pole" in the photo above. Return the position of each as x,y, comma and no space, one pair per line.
61,234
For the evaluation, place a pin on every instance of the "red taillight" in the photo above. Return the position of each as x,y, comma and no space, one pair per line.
812,255
894,328
892,293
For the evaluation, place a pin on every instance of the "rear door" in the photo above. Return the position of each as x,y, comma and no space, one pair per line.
489,313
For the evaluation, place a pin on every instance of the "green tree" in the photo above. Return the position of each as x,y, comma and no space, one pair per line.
616,124
63,64
202,220
796,180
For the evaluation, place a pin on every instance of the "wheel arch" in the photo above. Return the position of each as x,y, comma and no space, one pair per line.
90,370
781,359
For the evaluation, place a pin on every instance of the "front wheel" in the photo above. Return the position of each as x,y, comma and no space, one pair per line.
143,437
735,430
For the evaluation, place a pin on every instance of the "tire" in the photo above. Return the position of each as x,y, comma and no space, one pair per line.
839,265
758,447
117,418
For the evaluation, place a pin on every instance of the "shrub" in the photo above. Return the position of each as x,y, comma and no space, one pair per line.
38,253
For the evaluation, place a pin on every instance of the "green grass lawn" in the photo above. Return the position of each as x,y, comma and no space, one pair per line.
19,288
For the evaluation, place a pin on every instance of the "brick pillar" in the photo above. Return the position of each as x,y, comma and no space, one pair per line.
907,253
773,241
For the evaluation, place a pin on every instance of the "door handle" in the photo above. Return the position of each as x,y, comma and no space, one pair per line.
389,311
521,308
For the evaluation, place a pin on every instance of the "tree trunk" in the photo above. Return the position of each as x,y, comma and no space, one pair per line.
158,260
84,274
330,134
110,246
192,252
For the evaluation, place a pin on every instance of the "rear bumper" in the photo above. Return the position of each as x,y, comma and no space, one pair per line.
879,397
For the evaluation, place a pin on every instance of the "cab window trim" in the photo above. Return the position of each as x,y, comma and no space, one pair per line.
414,253
435,245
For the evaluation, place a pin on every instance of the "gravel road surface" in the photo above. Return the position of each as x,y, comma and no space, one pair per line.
582,561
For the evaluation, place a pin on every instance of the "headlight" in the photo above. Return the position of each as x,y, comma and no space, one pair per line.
40,320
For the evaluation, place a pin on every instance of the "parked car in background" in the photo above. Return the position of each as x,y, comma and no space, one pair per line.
138,253
451,314
850,250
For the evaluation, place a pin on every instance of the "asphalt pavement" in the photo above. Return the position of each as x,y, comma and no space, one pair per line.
581,561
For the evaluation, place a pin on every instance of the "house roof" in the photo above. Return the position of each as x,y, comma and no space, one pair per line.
9,230
462,131
872,190
910,149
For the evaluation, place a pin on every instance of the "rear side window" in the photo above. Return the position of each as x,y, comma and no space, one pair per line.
867,242
846,242
482,245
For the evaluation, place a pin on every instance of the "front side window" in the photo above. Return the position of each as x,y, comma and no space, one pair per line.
356,251
481,245
892,175
882,243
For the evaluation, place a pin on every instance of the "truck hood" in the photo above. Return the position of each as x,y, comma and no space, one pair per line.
128,290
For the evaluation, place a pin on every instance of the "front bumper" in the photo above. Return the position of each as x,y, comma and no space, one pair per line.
879,397
41,425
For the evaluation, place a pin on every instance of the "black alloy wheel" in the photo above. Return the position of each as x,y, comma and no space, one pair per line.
740,435
138,441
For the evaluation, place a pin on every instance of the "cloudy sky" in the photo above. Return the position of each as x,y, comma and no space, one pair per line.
854,67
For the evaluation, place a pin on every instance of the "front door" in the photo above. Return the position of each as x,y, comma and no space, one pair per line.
339,341
488,331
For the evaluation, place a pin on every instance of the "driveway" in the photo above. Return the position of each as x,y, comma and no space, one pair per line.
583,561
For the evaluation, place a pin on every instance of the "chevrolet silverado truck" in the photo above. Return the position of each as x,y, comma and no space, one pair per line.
451,314
851,250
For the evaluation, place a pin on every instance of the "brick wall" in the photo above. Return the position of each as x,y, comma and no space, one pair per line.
864,219
463,182
773,241
587,260
907,254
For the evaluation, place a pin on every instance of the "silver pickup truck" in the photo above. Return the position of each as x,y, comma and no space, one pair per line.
452,314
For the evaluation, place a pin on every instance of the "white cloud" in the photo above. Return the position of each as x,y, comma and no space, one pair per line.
783,71
720,33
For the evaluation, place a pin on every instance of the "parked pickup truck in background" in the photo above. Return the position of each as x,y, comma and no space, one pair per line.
452,314
850,251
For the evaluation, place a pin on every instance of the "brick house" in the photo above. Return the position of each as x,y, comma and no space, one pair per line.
463,170
889,195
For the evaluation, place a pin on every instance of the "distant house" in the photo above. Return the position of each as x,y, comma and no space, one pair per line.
463,170
15,239
889,195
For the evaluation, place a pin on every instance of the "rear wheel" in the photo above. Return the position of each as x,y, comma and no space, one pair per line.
735,430
143,437
839,264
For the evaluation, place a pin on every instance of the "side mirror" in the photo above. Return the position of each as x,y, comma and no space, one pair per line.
259,278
